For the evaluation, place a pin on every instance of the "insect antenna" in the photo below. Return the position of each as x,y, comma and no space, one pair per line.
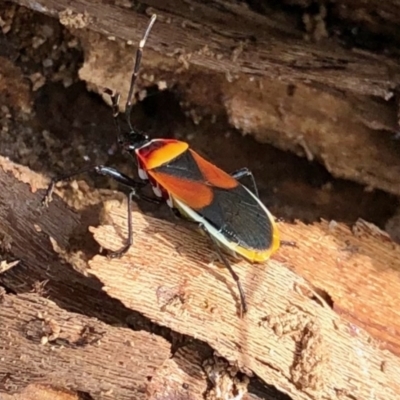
139,53
115,96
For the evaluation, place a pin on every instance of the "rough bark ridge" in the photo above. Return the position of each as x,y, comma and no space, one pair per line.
317,99
290,338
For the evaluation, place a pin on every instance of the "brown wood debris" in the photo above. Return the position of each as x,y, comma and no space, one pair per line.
41,392
52,247
177,283
312,97
290,338
43,343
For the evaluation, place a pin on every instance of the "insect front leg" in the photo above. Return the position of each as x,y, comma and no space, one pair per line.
99,169
244,173
119,253
134,186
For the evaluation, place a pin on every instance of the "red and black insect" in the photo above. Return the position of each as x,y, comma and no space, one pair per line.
231,214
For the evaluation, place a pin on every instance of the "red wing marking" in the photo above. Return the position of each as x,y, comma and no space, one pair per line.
194,194
212,174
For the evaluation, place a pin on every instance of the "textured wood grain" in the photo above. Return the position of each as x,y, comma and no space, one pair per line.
45,251
24,235
189,380
360,270
289,338
40,392
71,350
286,338
318,100
184,28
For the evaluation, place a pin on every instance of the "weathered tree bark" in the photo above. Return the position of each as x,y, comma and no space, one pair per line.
287,339
42,392
318,100
41,342
378,18
46,345
290,337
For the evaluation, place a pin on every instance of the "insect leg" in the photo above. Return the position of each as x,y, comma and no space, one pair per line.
124,249
125,180
139,53
243,173
288,243
135,187
235,276
115,96
101,170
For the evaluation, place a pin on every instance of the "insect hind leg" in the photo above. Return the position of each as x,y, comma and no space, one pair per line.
244,173
243,303
235,276
288,243
119,253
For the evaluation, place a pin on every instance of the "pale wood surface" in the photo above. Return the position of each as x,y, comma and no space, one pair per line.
41,392
287,338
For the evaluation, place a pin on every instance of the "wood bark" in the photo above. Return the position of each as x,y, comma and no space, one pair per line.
377,17
62,337
41,342
317,99
287,339
42,392
290,338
